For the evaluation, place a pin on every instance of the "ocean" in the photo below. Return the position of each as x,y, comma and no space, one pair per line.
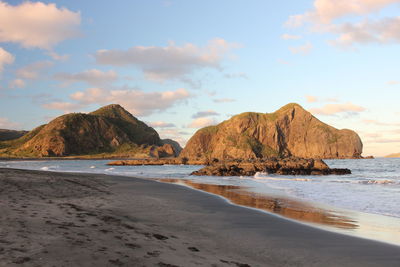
364,204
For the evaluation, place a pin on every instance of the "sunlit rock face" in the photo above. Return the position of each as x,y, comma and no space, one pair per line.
290,131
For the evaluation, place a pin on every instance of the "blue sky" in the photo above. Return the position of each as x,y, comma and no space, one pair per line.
181,65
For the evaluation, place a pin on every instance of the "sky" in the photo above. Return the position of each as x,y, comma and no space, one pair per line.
180,65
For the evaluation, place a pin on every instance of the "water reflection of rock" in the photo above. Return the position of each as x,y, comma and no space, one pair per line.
285,207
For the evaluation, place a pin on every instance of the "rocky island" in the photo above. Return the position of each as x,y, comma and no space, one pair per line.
289,131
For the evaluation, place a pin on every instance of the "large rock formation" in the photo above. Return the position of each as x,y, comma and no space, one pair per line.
290,131
6,134
107,130
286,166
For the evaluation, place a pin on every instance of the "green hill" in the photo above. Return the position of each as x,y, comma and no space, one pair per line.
108,131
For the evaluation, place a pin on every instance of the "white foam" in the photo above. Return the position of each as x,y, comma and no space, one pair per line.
44,168
377,182
92,167
109,169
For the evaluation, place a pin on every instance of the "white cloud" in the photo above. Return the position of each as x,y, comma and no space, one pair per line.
364,31
161,124
380,31
32,71
325,11
5,58
223,100
36,24
207,113
7,124
137,102
202,122
169,62
93,76
333,109
56,56
302,49
66,107
17,83
287,36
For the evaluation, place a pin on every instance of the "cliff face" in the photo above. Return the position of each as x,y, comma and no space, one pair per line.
106,130
290,131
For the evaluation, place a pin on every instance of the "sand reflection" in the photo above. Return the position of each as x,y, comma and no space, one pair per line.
283,206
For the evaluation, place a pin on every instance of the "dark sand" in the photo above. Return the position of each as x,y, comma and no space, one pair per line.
59,219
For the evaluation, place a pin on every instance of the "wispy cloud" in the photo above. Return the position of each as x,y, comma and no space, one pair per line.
5,123
169,62
5,58
287,36
17,83
161,124
302,49
236,75
224,100
33,70
325,12
138,102
202,122
207,113
94,77
315,99
380,123
333,109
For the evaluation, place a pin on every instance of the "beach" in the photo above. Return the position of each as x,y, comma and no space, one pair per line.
67,219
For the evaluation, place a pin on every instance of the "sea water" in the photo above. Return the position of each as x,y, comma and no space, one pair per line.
373,188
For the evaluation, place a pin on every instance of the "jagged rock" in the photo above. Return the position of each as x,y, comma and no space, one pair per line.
176,146
290,131
287,166
165,161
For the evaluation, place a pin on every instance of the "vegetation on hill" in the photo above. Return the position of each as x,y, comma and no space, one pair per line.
110,131
289,131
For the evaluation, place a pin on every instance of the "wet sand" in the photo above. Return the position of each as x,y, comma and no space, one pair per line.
60,219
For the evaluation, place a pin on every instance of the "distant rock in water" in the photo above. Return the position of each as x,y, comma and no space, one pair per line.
108,130
6,135
177,147
396,155
290,131
286,166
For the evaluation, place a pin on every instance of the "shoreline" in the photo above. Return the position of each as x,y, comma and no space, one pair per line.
316,215
206,228
381,228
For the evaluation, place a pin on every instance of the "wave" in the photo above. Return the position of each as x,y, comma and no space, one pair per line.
377,182
262,176
45,168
